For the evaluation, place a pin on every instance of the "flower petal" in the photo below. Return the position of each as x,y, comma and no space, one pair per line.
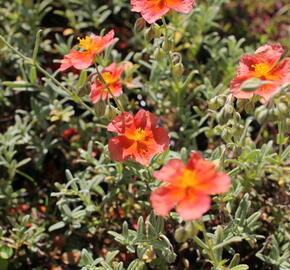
269,53
193,206
145,120
184,6
121,122
169,171
235,87
163,199
151,10
120,148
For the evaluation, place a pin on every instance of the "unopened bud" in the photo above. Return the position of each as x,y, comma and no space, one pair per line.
225,114
100,108
216,102
84,90
249,107
262,116
110,112
140,24
283,110
149,34
178,70
159,54
180,235
167,45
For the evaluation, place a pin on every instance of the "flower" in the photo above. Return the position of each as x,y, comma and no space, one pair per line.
111,75
188,186
263,65
152,10
139,137
91,45
68,132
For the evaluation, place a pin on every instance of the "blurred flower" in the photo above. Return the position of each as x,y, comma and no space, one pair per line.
91,45
188,186
140,139
263,65
152,10
69,132
111,75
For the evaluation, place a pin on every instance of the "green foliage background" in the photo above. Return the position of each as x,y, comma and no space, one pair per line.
66,205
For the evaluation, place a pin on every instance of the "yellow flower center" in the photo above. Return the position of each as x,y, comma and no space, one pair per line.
107,76
139,134
262,70
188,178
85,43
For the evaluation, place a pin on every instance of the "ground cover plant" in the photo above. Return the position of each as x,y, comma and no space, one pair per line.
144,134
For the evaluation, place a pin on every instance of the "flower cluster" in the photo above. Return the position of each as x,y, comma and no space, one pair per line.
186,186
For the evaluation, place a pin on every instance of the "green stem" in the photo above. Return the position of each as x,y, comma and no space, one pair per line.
209,251
281,130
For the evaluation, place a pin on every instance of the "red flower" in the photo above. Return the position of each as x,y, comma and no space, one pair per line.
152,10
264,66
188,186
69,132
92,45
139,137
111,75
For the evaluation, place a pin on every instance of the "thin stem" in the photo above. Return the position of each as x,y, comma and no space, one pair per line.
281,130
119,104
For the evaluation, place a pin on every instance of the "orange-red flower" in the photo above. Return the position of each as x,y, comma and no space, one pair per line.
188,186
152,10
91,45
139,137
111,75
263,65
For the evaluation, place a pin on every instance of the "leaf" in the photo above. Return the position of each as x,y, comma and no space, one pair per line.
56,226
240,267
6,252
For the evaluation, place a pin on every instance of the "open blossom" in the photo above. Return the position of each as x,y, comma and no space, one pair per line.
139,137
263,65
152,10
188,186
111,75
91,45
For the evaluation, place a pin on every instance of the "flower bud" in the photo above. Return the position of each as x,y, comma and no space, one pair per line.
159,54
225,114
140,24
149,34
282,110
178,70
216,102
100,108
84,90
167,45
249,107
180,235
110,112
262,116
